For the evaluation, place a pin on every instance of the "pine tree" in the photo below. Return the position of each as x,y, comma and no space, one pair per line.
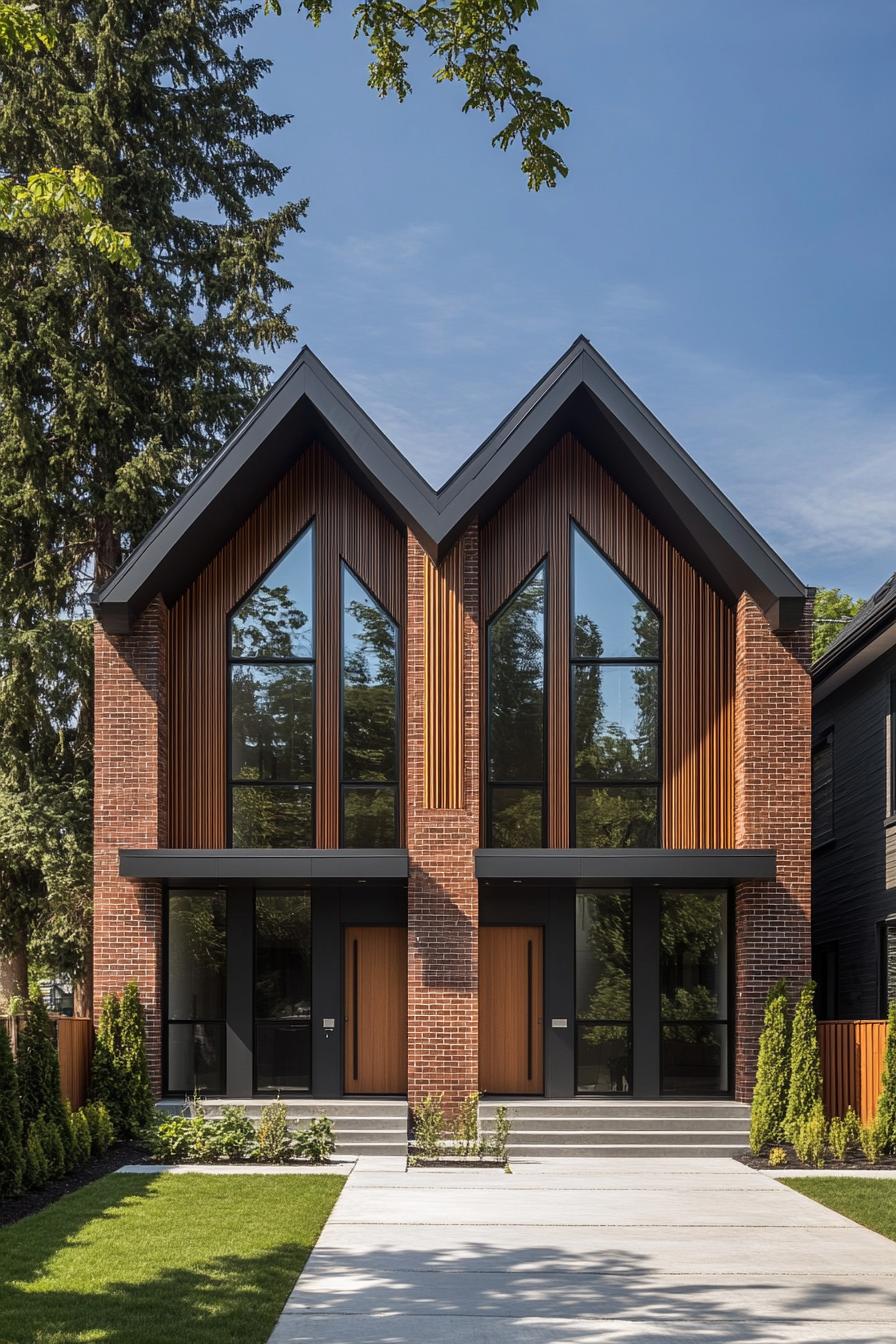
137,1093
37,1071
886,1106
105,1080
12,1156
770,1092
805,1064
115,384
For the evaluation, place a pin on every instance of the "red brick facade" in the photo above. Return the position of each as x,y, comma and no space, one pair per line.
130,811
773,725
443,897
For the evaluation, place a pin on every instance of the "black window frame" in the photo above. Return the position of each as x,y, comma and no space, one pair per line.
168,1021
824,741
345,784
308,786
609,782
499,785
627,1023
297,1092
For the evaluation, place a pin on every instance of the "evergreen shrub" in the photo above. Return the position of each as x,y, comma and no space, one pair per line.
805,1065
37,1172
769,1106
886,1106
12,1153
120,1073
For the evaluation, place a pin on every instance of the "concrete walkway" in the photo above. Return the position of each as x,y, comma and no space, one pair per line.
590,1253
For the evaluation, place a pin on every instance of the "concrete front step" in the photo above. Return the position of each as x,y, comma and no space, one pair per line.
538,1150
589,1110
524,1124
571,1138
607,1127
364,1127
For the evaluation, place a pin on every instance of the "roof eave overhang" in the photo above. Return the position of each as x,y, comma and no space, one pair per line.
626,865
835,670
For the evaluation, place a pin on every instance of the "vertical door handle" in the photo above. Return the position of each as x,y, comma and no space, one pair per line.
529,1013
354,1009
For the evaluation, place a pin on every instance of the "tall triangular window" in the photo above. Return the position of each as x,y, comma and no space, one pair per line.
369,719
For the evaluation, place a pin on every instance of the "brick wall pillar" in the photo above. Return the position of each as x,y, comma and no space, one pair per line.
773,737
443,900
130,812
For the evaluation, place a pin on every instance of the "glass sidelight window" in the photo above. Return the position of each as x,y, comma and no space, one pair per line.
694,967
272,706
369,719
282,991
604,991
614,706
516,719
196,957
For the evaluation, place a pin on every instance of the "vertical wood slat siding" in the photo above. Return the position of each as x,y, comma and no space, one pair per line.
852,1065
348,526
698,636
443,723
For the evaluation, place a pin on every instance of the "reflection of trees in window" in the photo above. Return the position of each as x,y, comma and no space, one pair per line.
272,706
615,706
693,963
515,729
603,990
369,719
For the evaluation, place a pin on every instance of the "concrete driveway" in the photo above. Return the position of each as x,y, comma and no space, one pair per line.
602,1251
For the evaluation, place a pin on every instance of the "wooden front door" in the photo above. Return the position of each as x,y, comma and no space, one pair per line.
376,1009
511,993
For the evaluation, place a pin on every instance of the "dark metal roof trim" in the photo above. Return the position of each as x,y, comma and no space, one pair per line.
186,865
646,865
870,621
307,401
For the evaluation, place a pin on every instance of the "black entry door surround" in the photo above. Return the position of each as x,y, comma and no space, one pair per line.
554,908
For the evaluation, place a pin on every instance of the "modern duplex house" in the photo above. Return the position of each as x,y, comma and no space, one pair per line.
503,786
854,814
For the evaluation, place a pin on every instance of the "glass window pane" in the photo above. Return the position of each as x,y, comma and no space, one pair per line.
616,721
196,1057
369,684
516,687
516,820
283,954
369,819
609,619
197,949
603,1058
604,956
695,1058
272,718
282,1056
694,955
271,816
613,817
276,619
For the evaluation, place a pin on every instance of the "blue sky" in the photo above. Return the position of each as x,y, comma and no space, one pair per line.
725,238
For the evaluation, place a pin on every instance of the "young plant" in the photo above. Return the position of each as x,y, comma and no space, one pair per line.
274,1143
777,1157
12,1154
51,1143
805,1065
81,1140
102,1135
853,1126
171,1139
886,1106
318,1142
838,1138
37,1171
429,1127
501,1134
234,1135
811,1137
466,1128
770,1092
871,1145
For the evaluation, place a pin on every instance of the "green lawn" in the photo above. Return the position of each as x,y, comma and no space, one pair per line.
141,1259
871,1203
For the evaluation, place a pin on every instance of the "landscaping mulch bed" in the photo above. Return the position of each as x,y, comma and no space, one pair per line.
851,1164
119,1155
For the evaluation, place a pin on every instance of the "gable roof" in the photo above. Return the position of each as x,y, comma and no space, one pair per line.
871,632
580,394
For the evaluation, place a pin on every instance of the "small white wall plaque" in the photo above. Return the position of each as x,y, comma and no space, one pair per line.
330,1024
559,1022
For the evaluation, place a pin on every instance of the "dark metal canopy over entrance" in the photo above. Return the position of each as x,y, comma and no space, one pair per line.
626,865
260,865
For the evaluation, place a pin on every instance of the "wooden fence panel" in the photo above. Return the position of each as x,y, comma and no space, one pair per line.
74,1046
852,1063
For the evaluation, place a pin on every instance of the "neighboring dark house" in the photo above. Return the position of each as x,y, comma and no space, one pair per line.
503,786
854,814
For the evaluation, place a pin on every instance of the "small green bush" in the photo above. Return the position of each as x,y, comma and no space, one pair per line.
853,1127
811,1137
805,1065
886,1106
318,1142
119,1075
170,1140
777,1157
12,1154
770,1092
429,1127
37,1171
501,1134
51,1143
102,1134
466,1129
871,1143
234,1134
37,1070
273,1143
81,1140
838,1138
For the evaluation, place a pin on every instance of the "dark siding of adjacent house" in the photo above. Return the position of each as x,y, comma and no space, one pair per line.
854,876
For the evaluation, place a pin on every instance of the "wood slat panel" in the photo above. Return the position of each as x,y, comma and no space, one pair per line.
348,526
698,636
852,1065
443,724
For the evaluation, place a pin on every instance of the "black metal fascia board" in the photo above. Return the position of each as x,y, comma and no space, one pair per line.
853,640
165,561
646,865
186,865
